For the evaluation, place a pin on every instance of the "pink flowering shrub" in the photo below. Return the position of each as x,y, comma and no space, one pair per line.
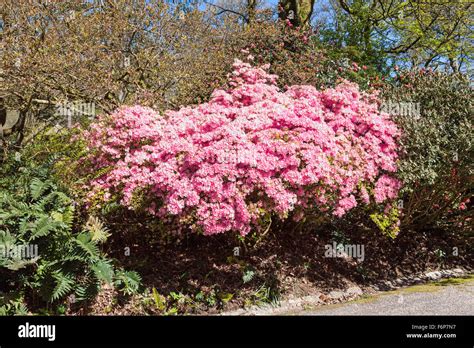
251,151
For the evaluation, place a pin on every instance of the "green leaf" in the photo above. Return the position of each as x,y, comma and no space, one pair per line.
43,227
103,271
99,233
160,301
225,297
128,281
17,264
85,243
63,285
38,188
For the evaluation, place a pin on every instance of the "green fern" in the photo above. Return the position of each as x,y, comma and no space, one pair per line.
63,285
87,290
33,210
128,281
103,271
99,233
85,242
42,227
38,187
68,216
12,304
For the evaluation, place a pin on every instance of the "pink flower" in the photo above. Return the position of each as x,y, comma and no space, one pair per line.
250,151
386,188
345,205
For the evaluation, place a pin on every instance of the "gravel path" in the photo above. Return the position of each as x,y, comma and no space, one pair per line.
447,299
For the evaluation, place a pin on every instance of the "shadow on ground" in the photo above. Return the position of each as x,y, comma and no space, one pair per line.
284,262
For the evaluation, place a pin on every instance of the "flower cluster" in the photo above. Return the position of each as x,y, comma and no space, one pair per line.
251,150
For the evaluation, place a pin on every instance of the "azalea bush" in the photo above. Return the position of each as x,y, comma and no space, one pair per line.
252,152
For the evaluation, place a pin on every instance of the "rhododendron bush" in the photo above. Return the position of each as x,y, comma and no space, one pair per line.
437,164
251,151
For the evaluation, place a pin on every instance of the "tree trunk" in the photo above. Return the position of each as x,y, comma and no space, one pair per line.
251,11
297,11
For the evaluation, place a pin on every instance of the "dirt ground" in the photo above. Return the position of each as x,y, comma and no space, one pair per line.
202,275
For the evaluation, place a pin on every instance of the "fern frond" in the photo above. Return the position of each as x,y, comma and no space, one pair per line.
103,271
87,244
87,291
63,285
68,215
43,227
128,281
38,187
99,233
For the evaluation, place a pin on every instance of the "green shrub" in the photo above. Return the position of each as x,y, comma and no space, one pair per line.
437,159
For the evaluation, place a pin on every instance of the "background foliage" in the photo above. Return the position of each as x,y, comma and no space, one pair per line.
437,148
